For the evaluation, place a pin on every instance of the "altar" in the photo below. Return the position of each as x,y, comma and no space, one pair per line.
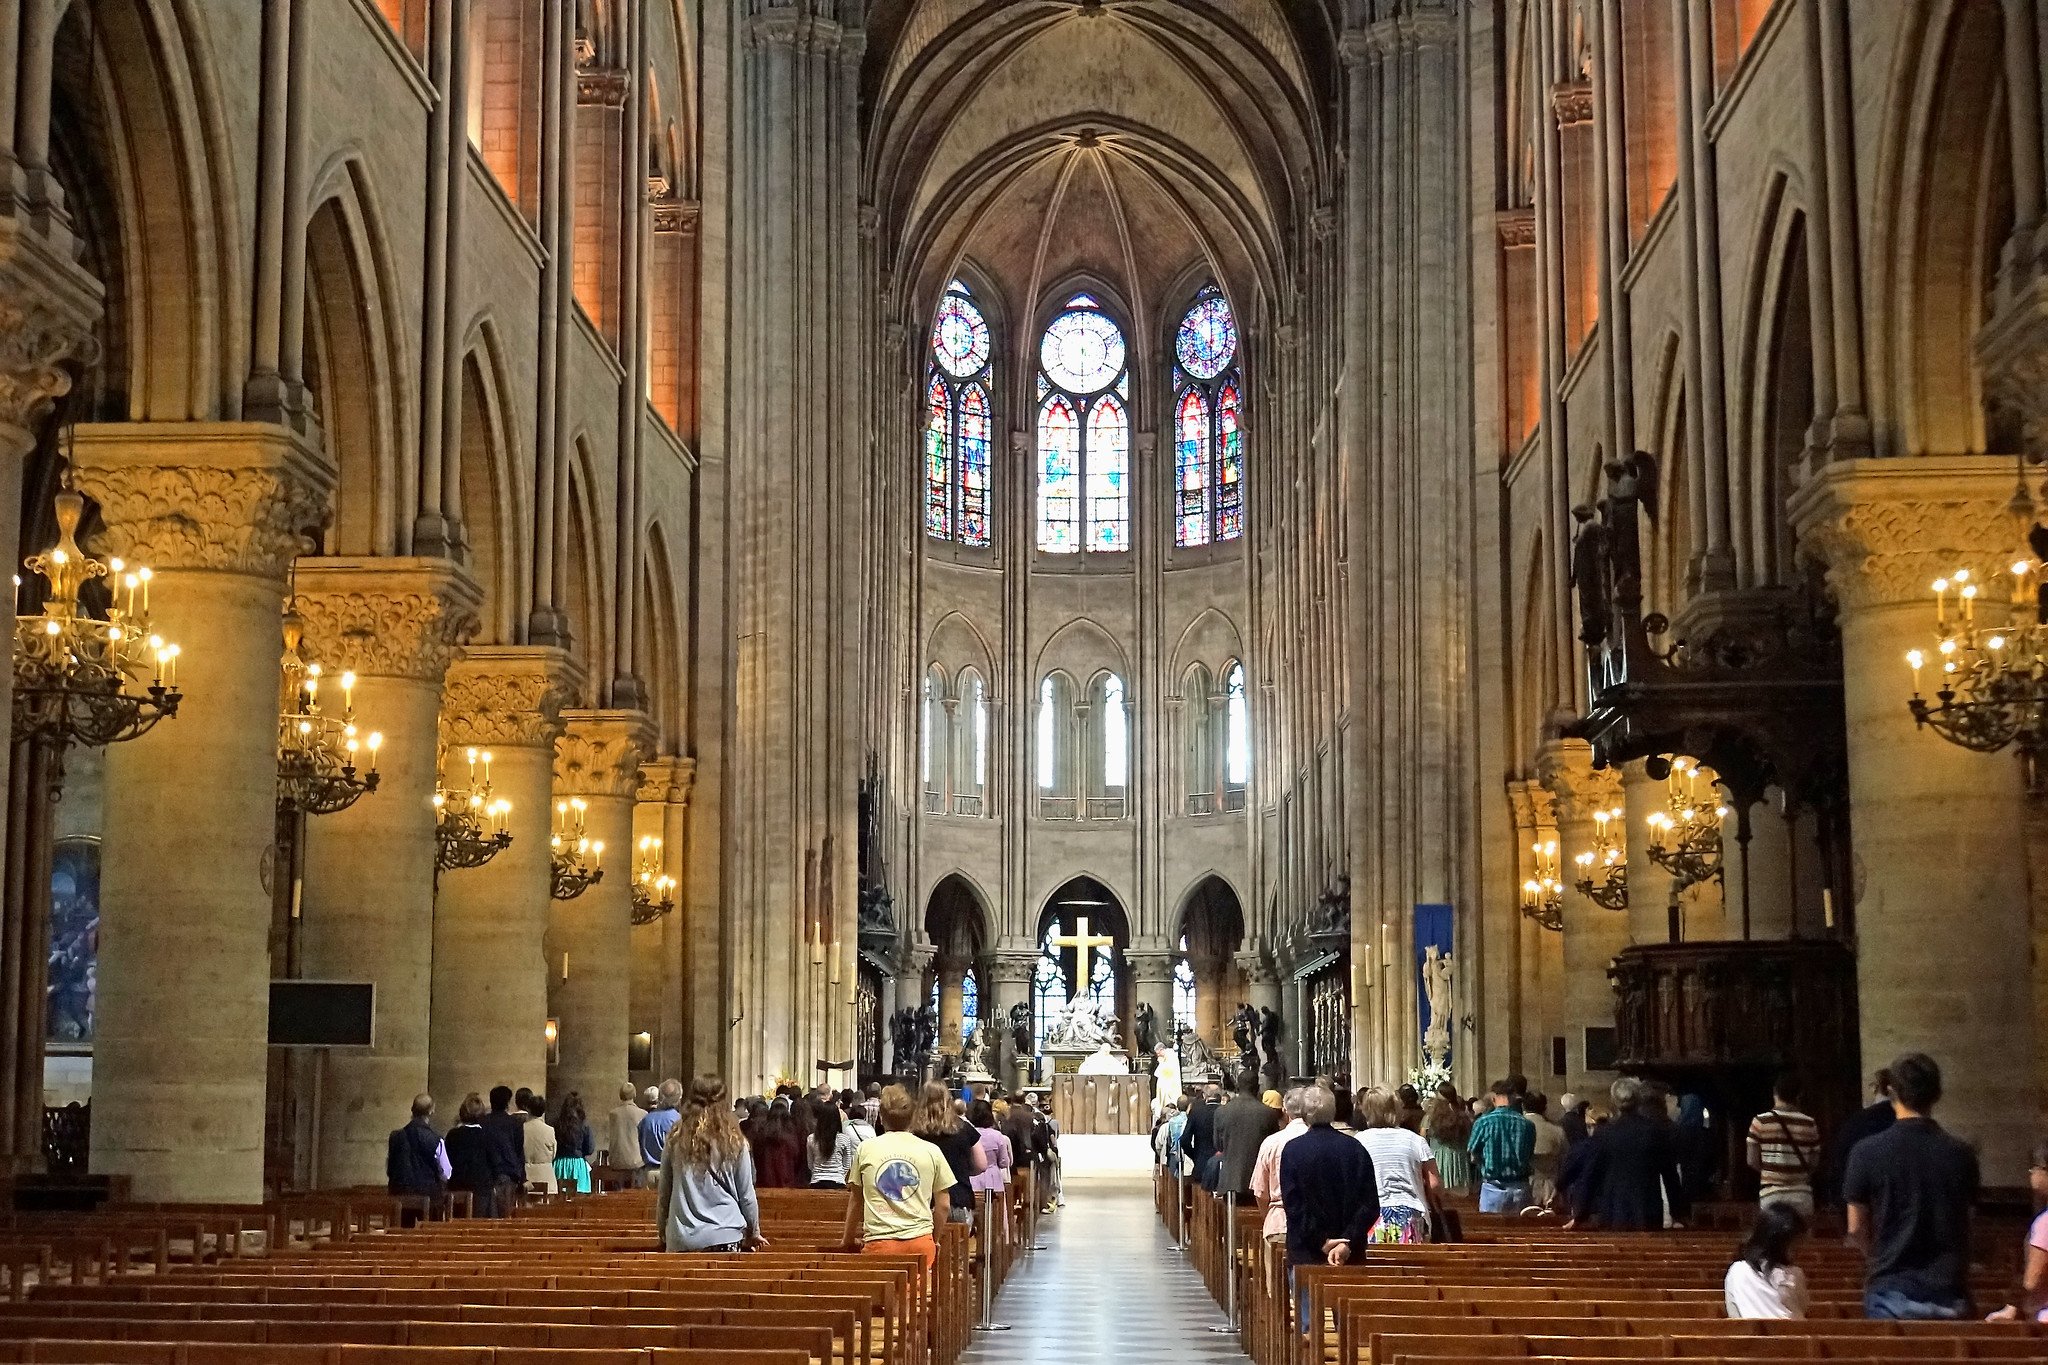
1103,1105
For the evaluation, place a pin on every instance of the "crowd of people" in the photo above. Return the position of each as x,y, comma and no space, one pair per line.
909,1157
1336,1172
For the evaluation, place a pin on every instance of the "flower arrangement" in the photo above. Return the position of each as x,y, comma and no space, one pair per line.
1427,1077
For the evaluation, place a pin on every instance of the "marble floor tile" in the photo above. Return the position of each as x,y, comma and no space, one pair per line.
1108,1287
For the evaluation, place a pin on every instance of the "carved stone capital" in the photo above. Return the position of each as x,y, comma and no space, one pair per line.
1150,969
1257,970
1534,807
508,696
600,752
1573,102
1565,768
1886,529
1013,969
667,780
48,305
677,215
386,618
780,24
603,87
1517,227
234,497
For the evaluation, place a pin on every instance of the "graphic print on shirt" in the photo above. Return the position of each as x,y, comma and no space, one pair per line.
897,1181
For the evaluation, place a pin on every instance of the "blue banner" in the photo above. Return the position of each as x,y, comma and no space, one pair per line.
1433,929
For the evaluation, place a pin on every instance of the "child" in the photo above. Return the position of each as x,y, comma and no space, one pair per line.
2034,1287
1763,1282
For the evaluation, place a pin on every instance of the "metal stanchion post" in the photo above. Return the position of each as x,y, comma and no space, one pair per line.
1229,1264
984,1212
1180,1207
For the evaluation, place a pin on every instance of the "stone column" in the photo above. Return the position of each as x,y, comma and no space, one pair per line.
910,987
687,950
218,510
1262,983
1211,985
1009,979
367,906
1592,936
1152,981
1942,905
490,984
590,939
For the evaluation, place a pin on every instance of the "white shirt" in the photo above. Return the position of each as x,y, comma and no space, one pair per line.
1397,1157
1781,1294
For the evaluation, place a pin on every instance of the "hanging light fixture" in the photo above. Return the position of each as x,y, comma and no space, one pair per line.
469,823
1603,869
317,752
653,889
76,673
1543,893
574,856
1685,838
1990,659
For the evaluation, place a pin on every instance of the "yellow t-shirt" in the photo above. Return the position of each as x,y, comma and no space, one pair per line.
899,1175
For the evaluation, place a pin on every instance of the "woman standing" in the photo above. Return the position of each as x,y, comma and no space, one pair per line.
574,1146
832,1146
1447,1124
778,1146
540,1145
937,1124
995,1149
705,1196
1404,1167
469,1157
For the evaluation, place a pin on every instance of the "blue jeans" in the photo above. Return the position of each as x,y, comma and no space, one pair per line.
1497,1196
1891,1305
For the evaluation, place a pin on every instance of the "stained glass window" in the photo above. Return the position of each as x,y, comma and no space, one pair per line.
1208,424
1116,736
958,422
1048,985
1183,990
1191,469
970,1004
1102,983
1237,729
977,726
1084,432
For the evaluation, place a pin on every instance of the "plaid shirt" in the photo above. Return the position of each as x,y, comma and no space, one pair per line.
1502,1143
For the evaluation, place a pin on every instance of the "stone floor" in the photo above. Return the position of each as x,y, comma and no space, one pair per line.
1108,1287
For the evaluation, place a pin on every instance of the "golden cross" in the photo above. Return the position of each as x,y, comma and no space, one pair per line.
1083,945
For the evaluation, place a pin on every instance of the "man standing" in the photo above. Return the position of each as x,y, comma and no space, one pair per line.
1784,1149
622,1132
1502,1146
654,1128
416,1160
897,1189
505,1140
1868,1121
1198,1136
1548,1153
1241,1125
1266,1170
1329,1191
1910,1189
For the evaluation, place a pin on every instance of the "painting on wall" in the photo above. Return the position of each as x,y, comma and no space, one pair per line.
74,940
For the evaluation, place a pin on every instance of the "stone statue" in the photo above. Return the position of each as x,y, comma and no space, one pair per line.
1437,970
903,1039
927,1032
1146,1024
974,1057
1244,1027
1270,1026
1590,576
1078,1025
1020,1028
1198,1061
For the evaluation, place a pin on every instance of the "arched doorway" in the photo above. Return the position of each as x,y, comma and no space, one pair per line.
956,922
1058,977
1207,982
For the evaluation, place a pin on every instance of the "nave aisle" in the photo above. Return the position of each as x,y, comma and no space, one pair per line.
1109,1287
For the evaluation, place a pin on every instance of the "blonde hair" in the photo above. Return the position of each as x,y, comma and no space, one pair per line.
705,1133
1379,1108
935,1116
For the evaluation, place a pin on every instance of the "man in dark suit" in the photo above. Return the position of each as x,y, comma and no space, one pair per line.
1198,1137
1630,1169
1329,1189
415,1160
505,1138
1242,1124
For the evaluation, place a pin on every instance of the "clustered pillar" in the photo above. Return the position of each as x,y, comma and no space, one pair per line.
1592,935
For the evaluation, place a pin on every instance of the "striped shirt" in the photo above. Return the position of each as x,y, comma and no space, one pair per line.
1502,1144
1784,1148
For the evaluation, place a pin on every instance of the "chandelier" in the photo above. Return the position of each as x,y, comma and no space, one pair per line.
567,850
654,891
469,824
1603,869
1991,672
74,671
1543,894
317,752
1685,839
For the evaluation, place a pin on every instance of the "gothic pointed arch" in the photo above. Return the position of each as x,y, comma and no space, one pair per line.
492,495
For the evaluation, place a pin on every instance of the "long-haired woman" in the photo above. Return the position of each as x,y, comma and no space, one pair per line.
705,1198
832,1145
937,1123
778,1143
574,1146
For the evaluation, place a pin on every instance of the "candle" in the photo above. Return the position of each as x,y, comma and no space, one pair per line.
1827,906
348,694
471,755
596,852
376,743
144,574
1940,601
1915,659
